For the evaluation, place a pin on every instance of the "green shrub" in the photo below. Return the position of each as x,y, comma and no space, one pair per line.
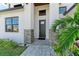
6,43
75,50
68,33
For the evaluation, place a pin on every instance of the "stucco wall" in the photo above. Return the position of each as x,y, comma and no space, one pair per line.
16,36
25,24
53,15
28,16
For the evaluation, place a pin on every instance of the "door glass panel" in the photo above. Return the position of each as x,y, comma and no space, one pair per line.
42,22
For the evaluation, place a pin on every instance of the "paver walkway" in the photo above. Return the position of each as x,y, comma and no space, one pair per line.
39,48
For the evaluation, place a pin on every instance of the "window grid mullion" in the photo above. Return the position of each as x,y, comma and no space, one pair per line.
12,25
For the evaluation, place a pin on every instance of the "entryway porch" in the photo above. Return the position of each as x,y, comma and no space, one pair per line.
39,48
41,11
39,18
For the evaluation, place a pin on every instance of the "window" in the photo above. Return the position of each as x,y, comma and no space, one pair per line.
62,10
11,24
42,12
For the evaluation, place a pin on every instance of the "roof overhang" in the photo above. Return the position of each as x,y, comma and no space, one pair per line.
10,9
39,4
70,9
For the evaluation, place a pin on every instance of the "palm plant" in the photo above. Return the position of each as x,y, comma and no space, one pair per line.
68,33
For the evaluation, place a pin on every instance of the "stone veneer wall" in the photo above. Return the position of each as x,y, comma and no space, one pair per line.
28,36
52,37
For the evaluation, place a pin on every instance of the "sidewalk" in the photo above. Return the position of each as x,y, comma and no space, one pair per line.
39,48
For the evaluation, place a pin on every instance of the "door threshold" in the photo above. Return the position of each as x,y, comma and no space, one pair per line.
41,38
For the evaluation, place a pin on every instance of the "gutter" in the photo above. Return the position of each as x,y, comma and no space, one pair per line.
10,9
70,9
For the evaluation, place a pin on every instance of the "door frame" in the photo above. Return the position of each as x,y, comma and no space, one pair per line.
44,30
37,18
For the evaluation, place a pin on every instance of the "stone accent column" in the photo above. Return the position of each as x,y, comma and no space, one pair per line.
28,36
29,23
53,15
52,37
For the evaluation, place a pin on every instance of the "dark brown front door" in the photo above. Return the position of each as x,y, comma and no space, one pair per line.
42,29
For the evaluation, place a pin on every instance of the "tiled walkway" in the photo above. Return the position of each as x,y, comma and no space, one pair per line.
39,48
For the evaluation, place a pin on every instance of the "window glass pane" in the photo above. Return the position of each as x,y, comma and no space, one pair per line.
42,12
9,28
15,28
11,24
15,20
62,10
8,20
